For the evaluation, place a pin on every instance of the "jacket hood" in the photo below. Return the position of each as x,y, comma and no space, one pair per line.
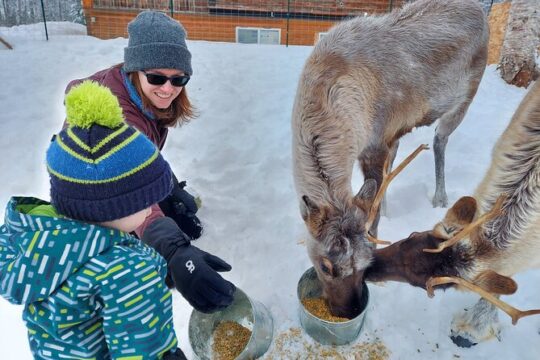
38,253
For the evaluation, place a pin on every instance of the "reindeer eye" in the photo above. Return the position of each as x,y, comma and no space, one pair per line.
325,269
326,266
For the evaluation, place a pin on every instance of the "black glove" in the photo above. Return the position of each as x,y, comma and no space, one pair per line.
174,355
193,272
181,207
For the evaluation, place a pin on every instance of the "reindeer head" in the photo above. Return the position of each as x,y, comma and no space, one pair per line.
406,260
431,254
428,259
339,249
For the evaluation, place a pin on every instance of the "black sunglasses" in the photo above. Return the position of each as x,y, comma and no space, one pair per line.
157,79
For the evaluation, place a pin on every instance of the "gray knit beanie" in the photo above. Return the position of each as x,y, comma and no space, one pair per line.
156,41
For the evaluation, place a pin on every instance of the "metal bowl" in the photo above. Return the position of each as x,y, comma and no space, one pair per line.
243,310
322,331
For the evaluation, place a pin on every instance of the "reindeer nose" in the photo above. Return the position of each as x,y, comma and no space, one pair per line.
343,311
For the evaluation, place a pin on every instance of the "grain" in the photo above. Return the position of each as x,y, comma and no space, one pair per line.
293,344
230,338
319,308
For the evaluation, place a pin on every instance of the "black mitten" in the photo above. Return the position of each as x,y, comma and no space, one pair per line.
181,207
174,355
193,271
187,200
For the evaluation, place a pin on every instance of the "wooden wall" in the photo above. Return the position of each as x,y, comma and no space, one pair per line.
315,7
105,21
107,24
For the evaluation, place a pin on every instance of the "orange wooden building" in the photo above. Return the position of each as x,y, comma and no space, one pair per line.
286,22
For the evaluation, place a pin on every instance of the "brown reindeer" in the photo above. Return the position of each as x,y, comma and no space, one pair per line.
485,239
368,82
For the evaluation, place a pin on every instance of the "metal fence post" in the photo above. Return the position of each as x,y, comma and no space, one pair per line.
44,20
171,6
288,17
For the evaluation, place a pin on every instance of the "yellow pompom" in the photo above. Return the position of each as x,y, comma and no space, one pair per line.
90,103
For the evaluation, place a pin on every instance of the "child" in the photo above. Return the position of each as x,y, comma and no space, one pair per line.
90,290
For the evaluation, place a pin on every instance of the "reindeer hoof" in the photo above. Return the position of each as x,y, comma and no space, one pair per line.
462,342
440,200
475,325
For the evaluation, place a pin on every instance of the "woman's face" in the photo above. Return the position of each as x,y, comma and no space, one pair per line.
161,96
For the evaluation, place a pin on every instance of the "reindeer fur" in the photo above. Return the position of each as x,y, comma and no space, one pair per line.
510,243
502,247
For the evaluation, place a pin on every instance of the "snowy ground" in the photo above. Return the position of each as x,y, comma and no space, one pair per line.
237,156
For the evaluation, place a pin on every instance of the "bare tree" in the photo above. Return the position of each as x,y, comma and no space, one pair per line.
19,12
518,56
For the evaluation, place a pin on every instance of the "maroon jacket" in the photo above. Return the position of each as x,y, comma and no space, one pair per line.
114,79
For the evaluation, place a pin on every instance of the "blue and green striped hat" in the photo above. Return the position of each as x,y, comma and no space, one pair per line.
100,168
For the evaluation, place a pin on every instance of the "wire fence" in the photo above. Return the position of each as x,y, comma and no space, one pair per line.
285,22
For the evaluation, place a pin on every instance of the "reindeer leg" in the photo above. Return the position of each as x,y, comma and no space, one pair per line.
372,161
440,199
448,122
386,179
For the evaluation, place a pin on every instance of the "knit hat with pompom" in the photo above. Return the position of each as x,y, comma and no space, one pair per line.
100,168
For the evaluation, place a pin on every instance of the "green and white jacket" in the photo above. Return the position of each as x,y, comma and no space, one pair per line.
88,292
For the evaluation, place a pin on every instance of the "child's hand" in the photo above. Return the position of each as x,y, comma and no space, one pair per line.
195,275
193,271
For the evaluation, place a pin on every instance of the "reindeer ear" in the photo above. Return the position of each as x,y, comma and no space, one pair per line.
313,214
458,216
495,283
308,208
365,196
462,211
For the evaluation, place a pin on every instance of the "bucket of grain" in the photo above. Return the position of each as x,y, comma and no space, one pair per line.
327,332
241,331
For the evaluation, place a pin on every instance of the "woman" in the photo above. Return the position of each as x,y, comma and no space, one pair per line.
150,87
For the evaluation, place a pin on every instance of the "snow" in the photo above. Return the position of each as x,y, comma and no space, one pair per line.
237,156
33,32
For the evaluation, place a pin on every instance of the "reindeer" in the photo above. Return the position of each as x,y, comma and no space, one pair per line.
483,240
368,82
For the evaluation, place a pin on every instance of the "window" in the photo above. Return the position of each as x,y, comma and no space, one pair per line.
246,35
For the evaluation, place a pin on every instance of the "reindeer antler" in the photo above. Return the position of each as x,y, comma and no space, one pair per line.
495,211
514,313
382,189
374,240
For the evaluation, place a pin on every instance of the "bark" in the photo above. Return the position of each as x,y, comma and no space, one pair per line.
520,48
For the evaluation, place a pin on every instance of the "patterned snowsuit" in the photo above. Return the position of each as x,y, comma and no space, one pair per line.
89,292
